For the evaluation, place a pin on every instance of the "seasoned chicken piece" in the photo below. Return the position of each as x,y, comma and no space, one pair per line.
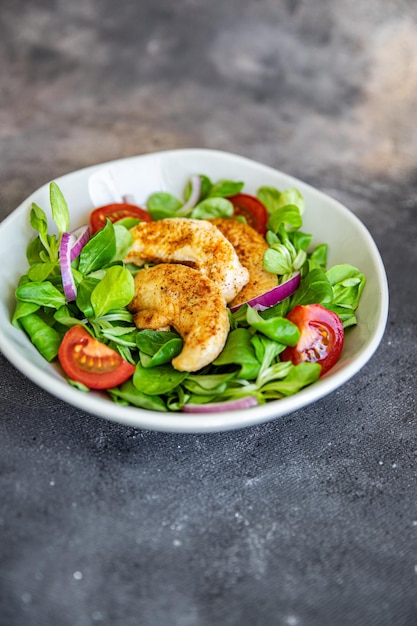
196,243
179,296
250,247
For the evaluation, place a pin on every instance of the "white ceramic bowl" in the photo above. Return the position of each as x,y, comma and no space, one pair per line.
324,217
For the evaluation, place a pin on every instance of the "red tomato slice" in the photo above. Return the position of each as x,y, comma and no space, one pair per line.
252,209
91,362
322,336
115,212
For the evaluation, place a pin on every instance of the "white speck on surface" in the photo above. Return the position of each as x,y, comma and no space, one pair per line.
26,597
415,569
177,542
153,46
252,481
415,522
97,616
393,465
291,620
381,462
52,483
78,575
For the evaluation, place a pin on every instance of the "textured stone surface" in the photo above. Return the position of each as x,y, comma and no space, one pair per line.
310,520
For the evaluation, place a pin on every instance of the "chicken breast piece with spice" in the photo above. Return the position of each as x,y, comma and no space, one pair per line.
196,243
174,295
250,247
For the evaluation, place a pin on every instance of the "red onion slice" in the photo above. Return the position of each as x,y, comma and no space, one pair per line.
70,289
129,198
81,236
273,296
195,182
216,407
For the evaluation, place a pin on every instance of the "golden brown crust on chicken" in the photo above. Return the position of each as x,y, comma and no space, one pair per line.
250,247
182,297
196,243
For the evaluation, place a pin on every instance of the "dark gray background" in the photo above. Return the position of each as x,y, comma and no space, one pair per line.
309,520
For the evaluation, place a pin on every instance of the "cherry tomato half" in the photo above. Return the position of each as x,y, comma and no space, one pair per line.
252,209
115,212
321,339
91,362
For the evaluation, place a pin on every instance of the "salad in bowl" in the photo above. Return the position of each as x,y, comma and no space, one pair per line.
192,291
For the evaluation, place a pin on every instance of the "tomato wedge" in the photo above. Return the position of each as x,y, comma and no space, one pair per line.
251,209
321,339
91,362
115,212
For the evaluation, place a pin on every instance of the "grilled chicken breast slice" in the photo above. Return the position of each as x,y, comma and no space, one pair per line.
250,247
178,296
196,243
